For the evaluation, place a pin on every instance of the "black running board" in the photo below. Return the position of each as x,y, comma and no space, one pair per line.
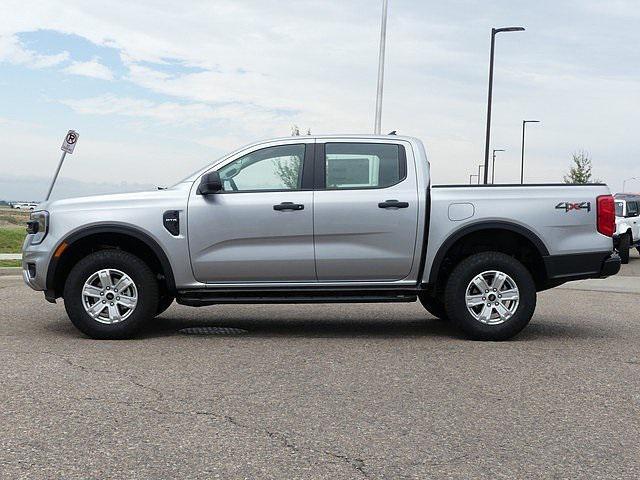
201,298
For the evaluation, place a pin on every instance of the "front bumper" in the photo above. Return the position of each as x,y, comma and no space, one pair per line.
581,265
35,261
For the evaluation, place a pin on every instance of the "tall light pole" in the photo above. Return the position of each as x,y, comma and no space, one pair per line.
493,168
624,183
471,178
383,40
479,175
494,31
524,124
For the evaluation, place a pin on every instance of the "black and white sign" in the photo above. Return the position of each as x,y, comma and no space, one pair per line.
70,141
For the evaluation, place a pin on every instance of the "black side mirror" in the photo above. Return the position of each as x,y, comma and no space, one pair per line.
210,183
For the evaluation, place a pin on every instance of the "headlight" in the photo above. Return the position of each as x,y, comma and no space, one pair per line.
38,226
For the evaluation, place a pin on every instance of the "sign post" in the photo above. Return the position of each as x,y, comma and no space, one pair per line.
68,145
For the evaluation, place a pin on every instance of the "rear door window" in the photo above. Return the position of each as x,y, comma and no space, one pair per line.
363,165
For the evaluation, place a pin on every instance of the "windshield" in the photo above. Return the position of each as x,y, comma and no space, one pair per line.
619,209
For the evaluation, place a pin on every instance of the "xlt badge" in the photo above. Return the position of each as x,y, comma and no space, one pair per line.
171,221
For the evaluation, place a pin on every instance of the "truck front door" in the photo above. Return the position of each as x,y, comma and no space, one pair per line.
260,228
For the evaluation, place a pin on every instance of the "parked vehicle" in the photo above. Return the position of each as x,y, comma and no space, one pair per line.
24,205
627,224
320,219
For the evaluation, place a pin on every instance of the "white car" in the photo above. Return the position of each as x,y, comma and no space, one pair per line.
627,224
24,206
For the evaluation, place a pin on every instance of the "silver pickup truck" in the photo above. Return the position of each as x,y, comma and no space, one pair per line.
320,219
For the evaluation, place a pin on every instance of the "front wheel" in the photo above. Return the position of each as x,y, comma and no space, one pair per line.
110,294
164,302
490,296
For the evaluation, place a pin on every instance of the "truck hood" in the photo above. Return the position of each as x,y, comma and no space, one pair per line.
115,200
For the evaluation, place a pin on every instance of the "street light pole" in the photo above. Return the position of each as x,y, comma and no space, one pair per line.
471,177
494,31
493,169
383,40
624,183
524,123
479,169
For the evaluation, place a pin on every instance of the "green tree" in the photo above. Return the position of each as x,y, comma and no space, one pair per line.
580,171
289,169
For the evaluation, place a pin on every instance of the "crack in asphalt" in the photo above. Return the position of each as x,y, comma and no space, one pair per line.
131,378
357,463
281,438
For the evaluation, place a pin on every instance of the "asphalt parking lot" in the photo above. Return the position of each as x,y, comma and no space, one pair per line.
323,391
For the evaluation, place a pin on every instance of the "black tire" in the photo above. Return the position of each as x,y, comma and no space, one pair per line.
164,302
623,248
433,305
461,277
145,282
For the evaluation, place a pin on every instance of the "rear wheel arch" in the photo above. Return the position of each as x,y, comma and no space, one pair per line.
502,237
102,237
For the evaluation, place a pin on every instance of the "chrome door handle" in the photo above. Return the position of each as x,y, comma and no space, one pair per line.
393,204
288,206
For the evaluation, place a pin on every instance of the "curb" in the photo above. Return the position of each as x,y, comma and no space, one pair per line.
10,271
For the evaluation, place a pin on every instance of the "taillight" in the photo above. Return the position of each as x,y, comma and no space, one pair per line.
606,215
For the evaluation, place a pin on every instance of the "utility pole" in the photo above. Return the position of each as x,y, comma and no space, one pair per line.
524,124
383,39
494,31
493,169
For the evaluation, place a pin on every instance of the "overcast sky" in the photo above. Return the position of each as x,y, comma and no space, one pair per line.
157,89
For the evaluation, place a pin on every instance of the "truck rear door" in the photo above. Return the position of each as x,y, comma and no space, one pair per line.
365,210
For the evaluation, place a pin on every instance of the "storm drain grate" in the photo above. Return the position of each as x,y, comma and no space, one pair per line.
212,331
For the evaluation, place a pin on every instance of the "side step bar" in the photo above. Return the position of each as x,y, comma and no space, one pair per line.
201,298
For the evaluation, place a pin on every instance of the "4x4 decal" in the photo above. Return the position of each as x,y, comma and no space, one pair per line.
568,206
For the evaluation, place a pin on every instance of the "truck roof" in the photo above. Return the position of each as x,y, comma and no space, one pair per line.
341,135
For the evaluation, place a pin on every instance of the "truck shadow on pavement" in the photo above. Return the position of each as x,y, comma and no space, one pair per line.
261,327
336,324
539,329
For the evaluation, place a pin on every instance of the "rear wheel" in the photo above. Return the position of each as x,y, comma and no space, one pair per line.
623,248
490,296
110,294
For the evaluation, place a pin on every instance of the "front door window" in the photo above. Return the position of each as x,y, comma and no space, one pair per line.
272,168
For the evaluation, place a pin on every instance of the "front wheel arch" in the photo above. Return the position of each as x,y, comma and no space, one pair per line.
103,237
